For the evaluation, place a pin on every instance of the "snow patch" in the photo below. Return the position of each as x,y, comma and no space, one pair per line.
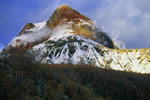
87,22
40,32
61,31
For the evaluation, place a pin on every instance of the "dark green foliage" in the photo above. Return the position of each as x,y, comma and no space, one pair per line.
24,80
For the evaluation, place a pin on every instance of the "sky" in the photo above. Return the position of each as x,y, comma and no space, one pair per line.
126,21
1,46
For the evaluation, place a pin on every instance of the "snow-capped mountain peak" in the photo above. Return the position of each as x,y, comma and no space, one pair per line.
63,22
69,37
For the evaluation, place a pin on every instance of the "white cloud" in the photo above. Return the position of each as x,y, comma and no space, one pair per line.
130,17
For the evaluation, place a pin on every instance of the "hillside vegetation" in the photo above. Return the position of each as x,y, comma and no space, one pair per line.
22,80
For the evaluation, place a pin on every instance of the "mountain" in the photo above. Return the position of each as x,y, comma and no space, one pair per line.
68,37
63,22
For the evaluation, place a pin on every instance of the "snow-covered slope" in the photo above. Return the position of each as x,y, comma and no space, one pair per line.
83,51
68,37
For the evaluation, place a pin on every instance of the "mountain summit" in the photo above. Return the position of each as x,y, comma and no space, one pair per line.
68,37
66,19
65,14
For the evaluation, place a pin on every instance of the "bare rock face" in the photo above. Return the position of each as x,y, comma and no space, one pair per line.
69,37
65,14
26,27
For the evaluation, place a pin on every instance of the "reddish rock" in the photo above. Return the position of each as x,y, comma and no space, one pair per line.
65,14
26,27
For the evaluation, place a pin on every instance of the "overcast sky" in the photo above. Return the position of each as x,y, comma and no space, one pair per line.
126,20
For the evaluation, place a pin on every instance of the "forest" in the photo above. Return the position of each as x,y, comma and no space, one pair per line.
21,79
